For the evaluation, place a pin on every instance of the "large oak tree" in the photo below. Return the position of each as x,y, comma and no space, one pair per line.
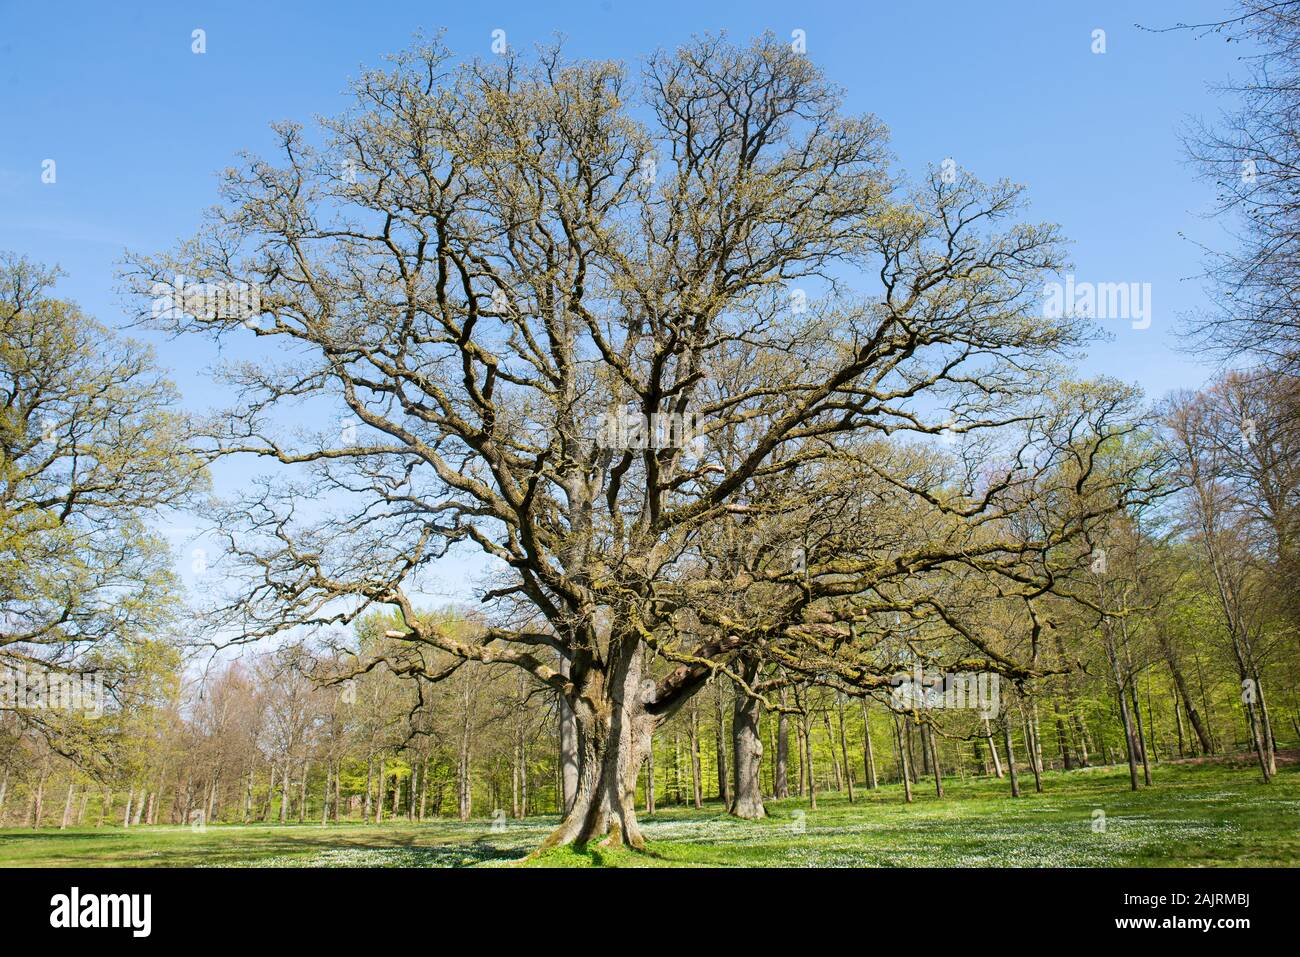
480,264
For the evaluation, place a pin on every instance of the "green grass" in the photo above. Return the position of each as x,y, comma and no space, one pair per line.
1195,815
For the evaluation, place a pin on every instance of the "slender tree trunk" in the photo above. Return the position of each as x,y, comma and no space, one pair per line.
844,750
1129,745
868,757
39,808
1139,734
1031,743
67,807
808,761
650,778
1178,724
724,784
835,756
781,776
904,772
525,785
934,762
1081,739
993,751
1038,735
1258,740
270,796
1062,742
302,793
798,740
678,789
1266,727
1011,757
697,785
568,746
464,796
365,811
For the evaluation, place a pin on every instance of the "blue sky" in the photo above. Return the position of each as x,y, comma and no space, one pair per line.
139,125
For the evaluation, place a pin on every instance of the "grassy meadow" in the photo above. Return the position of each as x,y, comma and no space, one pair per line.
1211,814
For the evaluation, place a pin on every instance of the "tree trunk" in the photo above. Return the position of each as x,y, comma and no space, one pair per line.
1062,742
370,774
270,796
904,772
650,778
835,757
993,751
781,775
67,807
724,784
1178,725
697,785
1266,729
1129,746
1262,751
934,762
868,757
677,768
1011,757
1035,752
1175,670
1081,738
844,750
614,735
808,761
568,747
748,749
798,742
465,784
1139,734
37,811
302,793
